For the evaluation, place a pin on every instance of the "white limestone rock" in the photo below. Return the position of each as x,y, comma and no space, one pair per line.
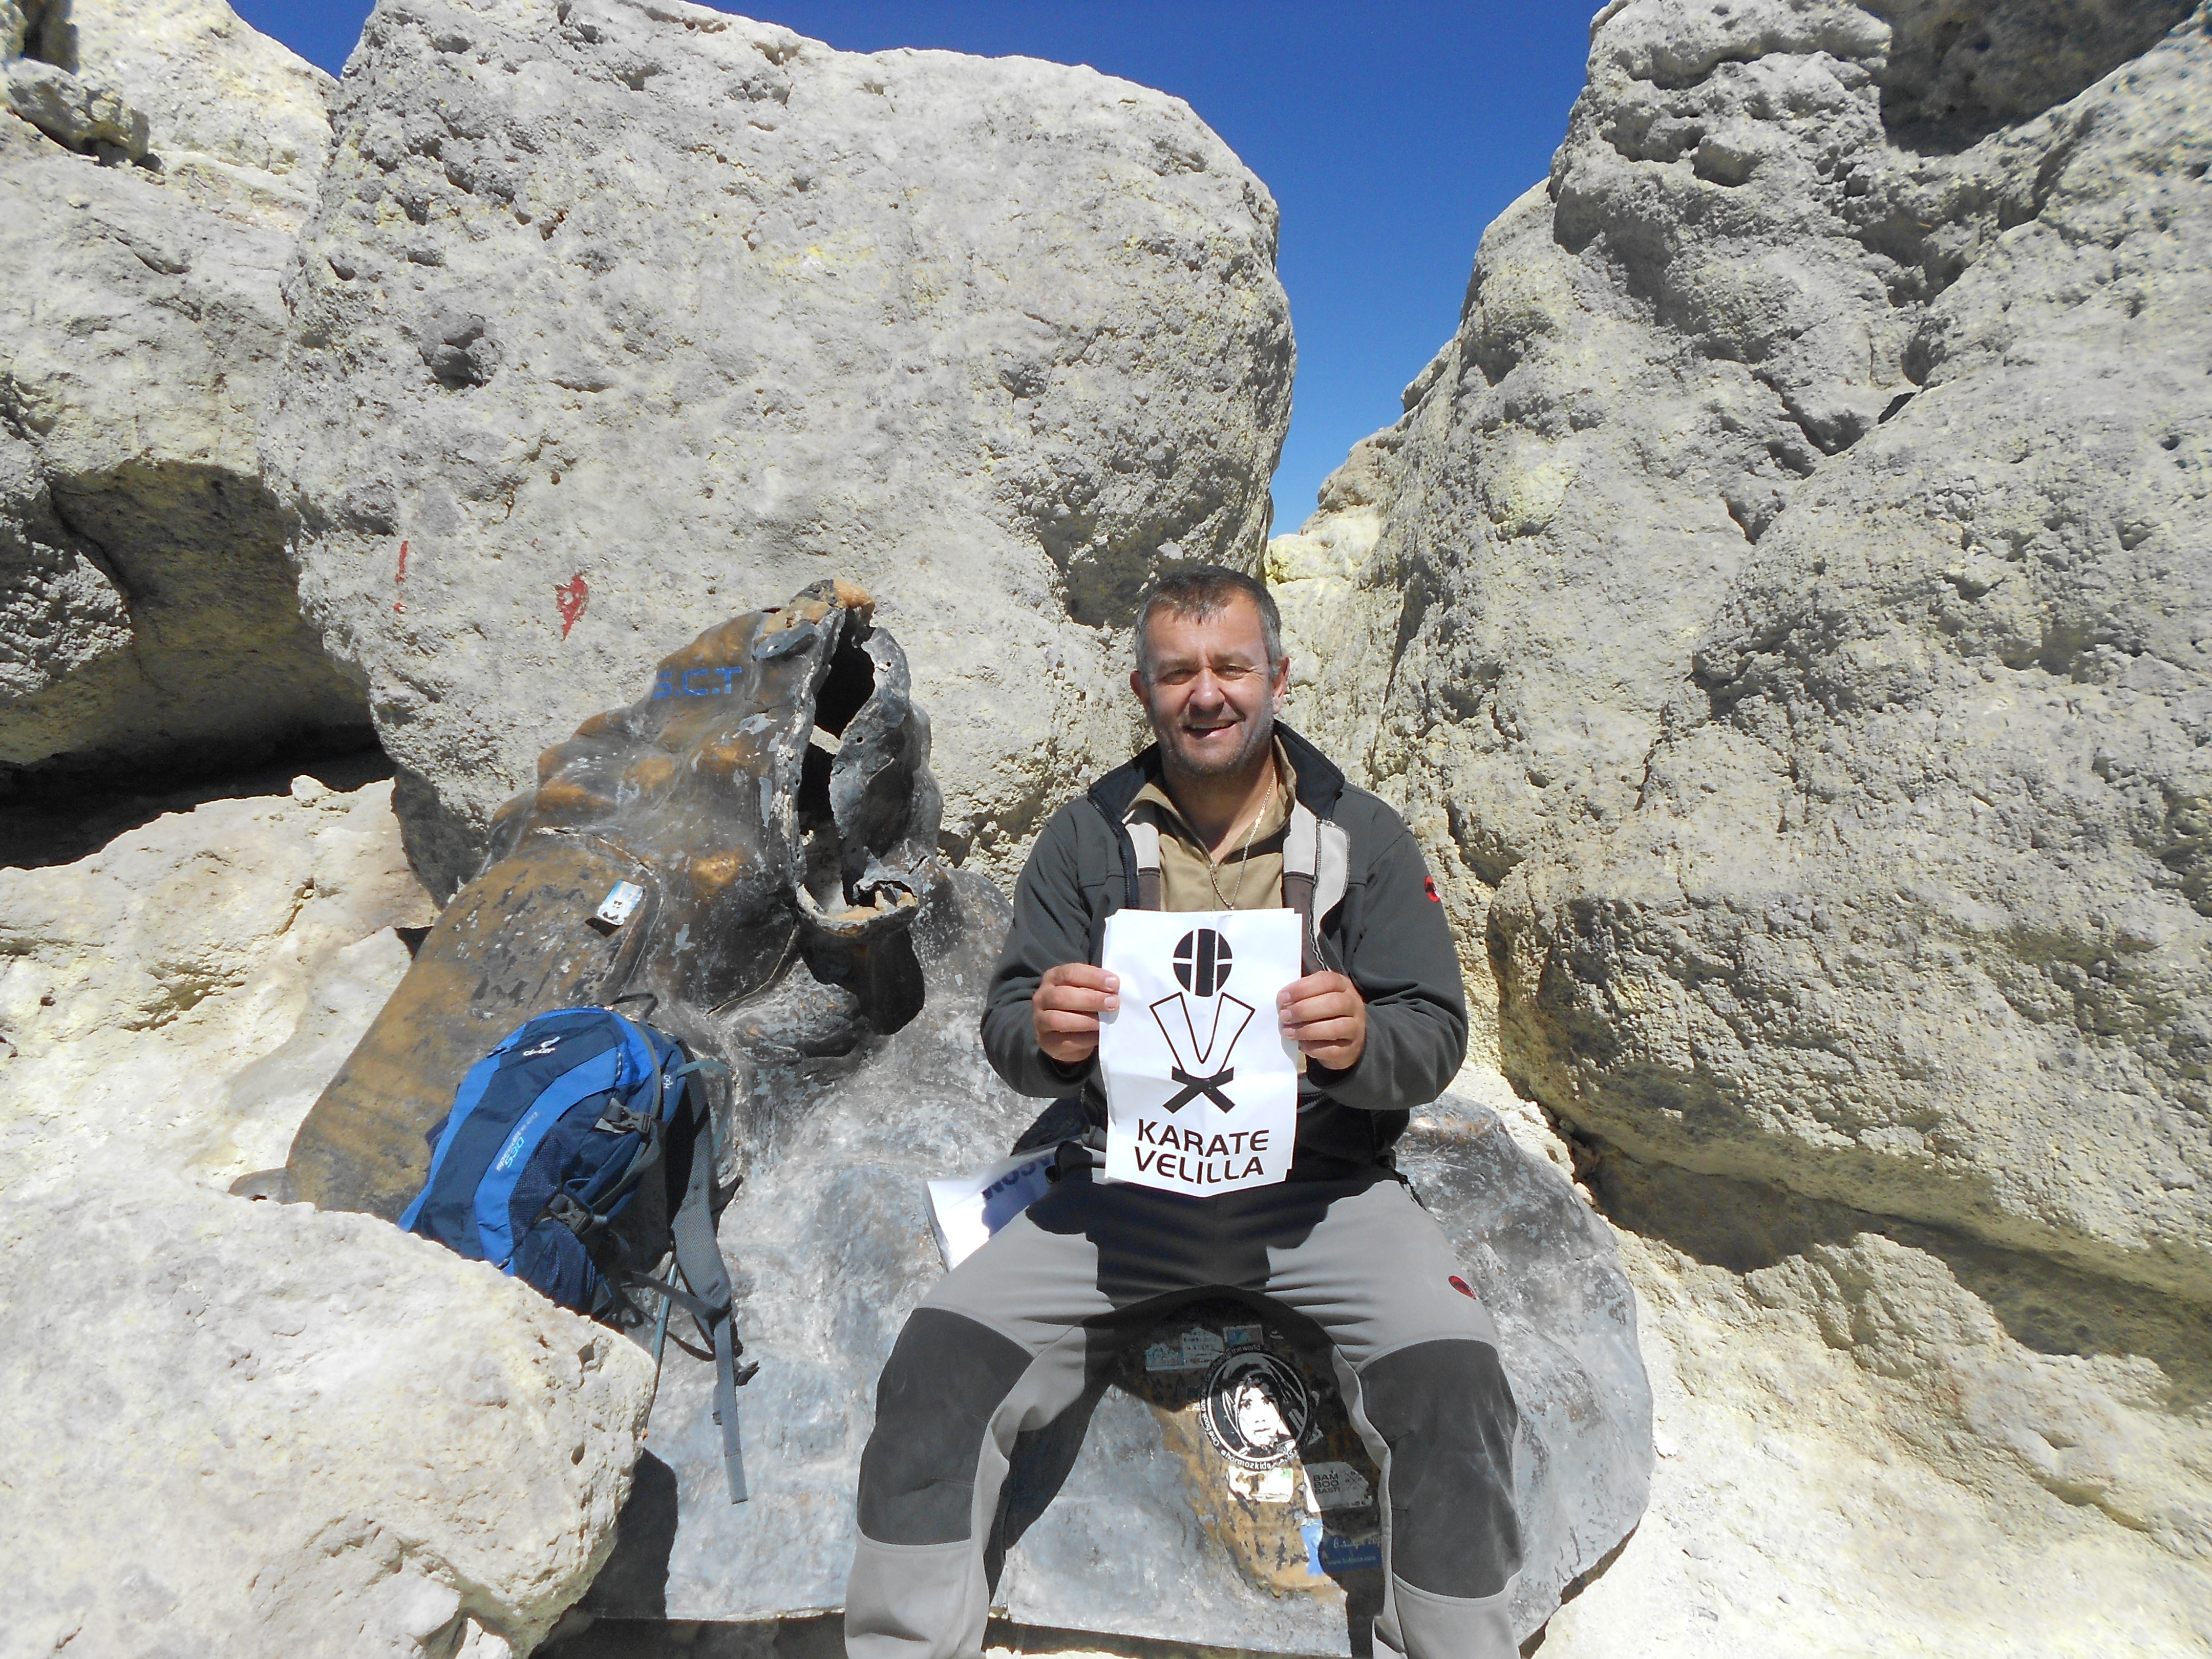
1914,911
229,956
1878,1440
238,121
150,612
1339,631
1796,553
252,1429
1659,346
617,317
76,113
1787,591
243,1428
60,610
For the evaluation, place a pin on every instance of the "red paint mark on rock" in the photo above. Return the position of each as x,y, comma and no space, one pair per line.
1460,1284
400,585
571,599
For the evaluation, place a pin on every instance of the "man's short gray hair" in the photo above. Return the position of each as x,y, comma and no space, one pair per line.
1200,591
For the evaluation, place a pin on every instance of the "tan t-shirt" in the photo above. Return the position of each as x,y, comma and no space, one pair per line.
1248,874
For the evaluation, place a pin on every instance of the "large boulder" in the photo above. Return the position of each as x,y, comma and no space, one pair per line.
157,162
612,311
1715,292
1843,747
1914,908
235,119
1777,612
228,953
249,1428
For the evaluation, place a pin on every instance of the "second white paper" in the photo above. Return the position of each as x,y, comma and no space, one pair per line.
1201,1089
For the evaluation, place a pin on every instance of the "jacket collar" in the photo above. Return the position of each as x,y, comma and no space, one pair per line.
1321,785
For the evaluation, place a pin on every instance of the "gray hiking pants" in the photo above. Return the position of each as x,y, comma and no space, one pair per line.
1008,1340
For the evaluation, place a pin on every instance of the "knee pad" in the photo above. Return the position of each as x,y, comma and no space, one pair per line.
945,1379
1446,1411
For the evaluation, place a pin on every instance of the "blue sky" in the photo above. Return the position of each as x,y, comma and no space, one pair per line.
1391,132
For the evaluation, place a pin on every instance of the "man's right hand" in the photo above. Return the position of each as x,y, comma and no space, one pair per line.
1065,1009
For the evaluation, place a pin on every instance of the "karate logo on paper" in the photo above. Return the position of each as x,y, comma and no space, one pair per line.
1202,963
1201,1084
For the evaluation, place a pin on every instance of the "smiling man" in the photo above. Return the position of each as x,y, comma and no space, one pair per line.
1227,809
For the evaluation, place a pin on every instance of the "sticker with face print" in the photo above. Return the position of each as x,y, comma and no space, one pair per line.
1256,1410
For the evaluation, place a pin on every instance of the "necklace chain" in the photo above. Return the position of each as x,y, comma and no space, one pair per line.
1243,863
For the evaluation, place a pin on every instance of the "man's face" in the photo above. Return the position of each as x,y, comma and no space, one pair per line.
1212,698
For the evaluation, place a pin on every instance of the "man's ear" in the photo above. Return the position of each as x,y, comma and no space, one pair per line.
1282,681
1137,690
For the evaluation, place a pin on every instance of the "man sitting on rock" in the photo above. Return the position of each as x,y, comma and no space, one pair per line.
1235,805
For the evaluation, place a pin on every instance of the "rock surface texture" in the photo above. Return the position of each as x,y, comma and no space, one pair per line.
1913,909
157,162
1876,1438
613,310
229,955
236,1427
1786,616
219,1447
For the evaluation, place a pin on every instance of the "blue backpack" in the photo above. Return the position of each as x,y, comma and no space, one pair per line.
538,1167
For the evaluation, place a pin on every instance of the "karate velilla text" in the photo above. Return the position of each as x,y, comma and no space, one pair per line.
1188,1157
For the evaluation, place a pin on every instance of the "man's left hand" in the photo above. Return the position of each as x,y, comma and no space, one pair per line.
1325,1015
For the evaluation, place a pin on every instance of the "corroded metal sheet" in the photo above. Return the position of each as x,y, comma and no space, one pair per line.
769,794
1275,1471
516,941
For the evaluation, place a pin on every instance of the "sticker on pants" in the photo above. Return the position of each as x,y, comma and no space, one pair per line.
1202,1088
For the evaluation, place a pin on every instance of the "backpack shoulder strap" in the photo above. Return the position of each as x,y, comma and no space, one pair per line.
1325,888
1332,870
700,1257
1301,859
1144,839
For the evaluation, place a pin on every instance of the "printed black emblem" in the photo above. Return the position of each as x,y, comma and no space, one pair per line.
1194,1054
1257,1410
1201,963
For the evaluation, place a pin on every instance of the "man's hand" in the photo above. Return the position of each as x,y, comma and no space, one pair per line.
1066,1006
1325,1015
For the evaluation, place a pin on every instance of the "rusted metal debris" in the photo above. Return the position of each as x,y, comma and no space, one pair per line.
771,798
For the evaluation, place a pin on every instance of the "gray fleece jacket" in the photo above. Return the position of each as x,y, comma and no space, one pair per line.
1389,934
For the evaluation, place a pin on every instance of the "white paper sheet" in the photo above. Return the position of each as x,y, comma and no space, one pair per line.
1201,1090
965,1211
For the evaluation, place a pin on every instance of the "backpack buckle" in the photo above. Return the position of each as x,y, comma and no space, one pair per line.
619,1119
578,1218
